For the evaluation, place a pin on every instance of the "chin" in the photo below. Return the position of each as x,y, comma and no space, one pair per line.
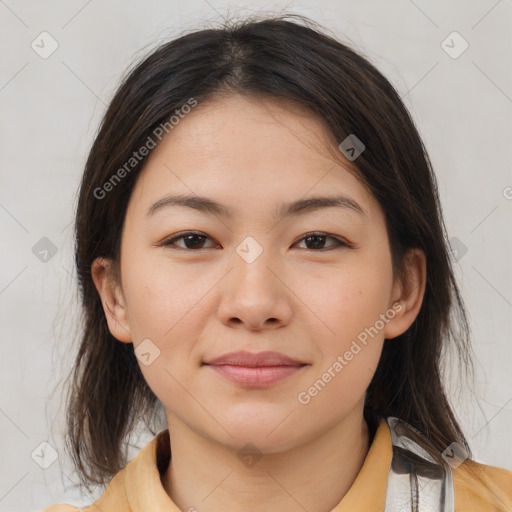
267,426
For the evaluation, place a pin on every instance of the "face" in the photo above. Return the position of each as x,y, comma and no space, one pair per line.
198,282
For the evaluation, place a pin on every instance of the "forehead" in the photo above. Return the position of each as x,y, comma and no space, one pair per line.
238,127
235,149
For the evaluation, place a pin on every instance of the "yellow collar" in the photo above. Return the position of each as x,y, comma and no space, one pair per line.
144,489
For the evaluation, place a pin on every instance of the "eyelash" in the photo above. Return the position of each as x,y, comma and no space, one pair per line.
339,243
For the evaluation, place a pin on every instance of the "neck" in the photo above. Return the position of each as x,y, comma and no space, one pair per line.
206,476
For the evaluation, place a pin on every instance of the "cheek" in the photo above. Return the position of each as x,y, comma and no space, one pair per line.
160,298
349,341
346,301
166,306
351,334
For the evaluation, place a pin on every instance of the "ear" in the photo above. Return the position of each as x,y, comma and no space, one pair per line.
408,294
112,299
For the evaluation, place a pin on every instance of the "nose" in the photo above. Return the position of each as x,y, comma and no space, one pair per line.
255,295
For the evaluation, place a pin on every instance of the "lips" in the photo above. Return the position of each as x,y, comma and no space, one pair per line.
250,360
259,370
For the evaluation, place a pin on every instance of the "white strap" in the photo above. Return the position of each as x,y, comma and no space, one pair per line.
416,481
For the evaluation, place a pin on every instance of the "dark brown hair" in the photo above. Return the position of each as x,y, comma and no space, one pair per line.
289,58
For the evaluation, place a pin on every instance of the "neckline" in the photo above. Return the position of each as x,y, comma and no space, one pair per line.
145,490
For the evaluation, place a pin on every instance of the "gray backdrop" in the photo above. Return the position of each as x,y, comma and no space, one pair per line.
61,63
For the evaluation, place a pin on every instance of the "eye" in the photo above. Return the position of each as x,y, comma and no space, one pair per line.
195,240
192,240
317,241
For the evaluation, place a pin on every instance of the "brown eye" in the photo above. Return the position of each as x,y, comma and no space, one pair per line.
316,241
194,241
191,240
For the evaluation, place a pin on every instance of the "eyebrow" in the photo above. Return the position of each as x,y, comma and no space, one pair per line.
299,207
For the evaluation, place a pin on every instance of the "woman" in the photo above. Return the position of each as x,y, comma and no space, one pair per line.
261,252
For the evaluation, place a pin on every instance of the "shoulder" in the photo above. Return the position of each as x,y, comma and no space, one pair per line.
482,488
61,508
113,498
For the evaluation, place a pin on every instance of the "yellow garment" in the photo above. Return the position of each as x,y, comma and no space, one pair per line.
138,488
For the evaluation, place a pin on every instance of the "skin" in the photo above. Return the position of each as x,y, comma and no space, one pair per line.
199,303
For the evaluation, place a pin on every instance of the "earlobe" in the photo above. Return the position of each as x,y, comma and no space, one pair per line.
111,298
408,294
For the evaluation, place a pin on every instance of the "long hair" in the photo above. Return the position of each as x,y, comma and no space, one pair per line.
285,57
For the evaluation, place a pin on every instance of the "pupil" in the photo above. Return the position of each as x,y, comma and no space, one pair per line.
316,245
194,237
